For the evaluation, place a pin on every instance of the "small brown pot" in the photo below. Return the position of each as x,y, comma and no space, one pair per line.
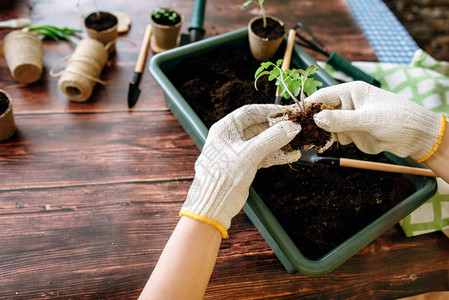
102,26
7,125
24,56
165,37
262,48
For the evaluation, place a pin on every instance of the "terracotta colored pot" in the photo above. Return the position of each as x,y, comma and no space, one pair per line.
262,48
165,37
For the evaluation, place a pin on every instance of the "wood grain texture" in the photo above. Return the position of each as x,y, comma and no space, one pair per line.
95,148
90,192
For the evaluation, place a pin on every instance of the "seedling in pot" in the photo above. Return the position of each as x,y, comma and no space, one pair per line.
265,33
291,82
165,16
260,3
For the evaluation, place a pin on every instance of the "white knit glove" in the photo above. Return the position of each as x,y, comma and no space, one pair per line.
377,120
235,148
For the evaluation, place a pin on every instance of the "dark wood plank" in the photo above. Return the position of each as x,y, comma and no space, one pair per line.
59,150
99,241
391,267
104,240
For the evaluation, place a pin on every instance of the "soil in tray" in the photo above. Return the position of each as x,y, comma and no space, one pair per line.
319,207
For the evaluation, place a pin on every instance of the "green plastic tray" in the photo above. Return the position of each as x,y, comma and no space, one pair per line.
257,211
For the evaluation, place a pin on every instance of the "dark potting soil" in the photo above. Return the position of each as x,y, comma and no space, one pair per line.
272,31
4,103
100,21
310,133
319,207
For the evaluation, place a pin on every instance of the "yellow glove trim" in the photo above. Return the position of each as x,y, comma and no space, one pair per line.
438,142
220,228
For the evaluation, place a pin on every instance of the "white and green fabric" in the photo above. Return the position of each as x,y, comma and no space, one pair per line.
426,82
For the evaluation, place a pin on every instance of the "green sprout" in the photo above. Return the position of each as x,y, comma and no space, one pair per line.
165,14
260,3
290,82
53,32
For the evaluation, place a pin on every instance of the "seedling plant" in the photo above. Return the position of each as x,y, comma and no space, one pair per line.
260,3
290,82
162,15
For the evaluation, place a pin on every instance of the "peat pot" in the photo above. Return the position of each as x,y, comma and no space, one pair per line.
264,220
165,37
102,26
263,48
7,124
24,56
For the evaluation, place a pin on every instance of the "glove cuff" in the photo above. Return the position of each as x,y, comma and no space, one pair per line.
437,143
216,224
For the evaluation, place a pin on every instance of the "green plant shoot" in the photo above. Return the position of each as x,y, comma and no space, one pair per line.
165,13
260,3
290,82
52,32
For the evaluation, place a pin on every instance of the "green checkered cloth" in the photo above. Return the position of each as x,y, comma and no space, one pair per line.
426,82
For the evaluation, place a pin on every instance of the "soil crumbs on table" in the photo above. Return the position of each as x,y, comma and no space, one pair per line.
319,207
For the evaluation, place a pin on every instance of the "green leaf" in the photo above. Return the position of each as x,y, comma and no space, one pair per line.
245,5
296,89
267,64
52,32
279,62
283,92
260,69
311,86
311,69
303,73
257,78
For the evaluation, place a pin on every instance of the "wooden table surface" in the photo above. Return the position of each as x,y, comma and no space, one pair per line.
90,192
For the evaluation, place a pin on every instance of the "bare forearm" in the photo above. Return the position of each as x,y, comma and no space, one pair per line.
439,161
186,263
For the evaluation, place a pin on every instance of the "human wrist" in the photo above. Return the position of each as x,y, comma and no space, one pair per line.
439,161
437,129
186,213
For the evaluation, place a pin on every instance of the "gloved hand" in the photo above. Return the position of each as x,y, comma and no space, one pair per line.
377,120
235,148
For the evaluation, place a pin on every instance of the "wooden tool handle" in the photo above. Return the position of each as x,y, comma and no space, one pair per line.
143,50
289,49
288,53
369,165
